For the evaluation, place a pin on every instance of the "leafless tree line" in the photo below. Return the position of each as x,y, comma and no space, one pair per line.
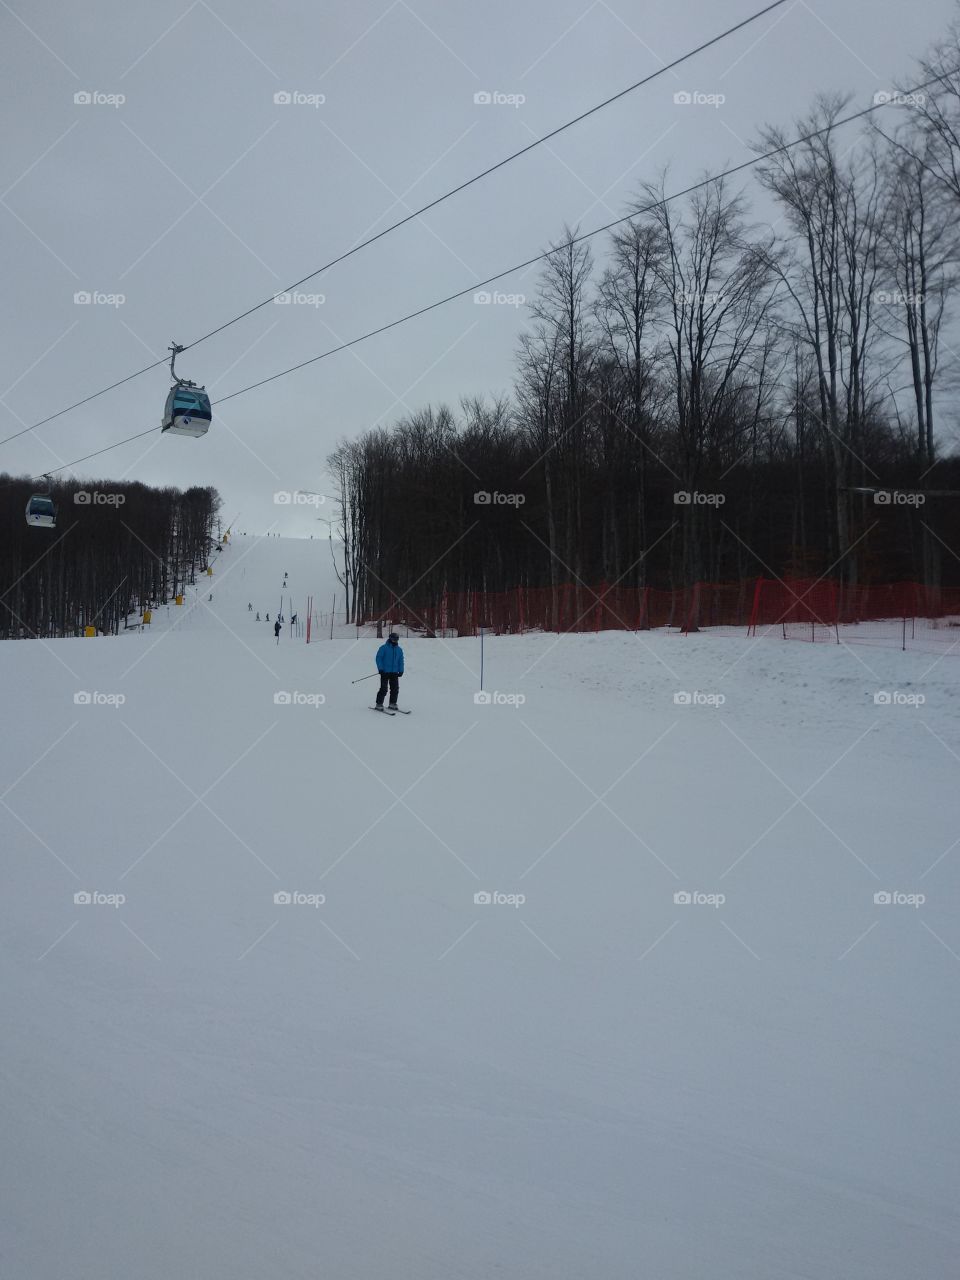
117,549
703,402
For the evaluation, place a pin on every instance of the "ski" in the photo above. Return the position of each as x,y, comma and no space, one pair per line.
382,710
400,711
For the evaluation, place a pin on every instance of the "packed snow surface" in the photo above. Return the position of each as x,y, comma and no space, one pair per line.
678,1035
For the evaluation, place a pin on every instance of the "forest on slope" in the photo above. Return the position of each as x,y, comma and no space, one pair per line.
700,397
117,549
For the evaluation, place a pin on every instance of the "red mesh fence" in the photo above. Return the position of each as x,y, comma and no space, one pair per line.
799,606
569,608
903,615
829,603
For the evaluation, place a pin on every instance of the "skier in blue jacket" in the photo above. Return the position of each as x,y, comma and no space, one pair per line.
390,666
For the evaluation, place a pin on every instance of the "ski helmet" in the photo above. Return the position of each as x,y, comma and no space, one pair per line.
393,636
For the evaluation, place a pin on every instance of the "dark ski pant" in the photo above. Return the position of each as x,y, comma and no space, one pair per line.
388,679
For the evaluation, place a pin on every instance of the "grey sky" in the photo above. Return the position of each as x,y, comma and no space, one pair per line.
199,196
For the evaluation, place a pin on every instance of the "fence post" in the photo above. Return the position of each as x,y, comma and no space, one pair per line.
598,607
755,611
692,621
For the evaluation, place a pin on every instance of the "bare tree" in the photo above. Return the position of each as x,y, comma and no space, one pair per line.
537,401
920,253
718,292
829,270
628,307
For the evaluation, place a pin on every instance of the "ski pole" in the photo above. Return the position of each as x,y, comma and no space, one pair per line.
362,678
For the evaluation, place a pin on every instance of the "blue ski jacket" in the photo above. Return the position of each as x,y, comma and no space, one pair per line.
390,659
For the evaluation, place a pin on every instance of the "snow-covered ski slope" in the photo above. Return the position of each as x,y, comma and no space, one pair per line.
253,570
581,1076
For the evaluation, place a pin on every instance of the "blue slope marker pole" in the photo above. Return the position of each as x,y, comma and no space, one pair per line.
481,659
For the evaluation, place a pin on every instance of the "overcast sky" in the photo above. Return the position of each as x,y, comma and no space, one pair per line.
198,195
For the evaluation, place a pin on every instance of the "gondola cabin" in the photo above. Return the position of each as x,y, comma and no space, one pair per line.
187,411
41,512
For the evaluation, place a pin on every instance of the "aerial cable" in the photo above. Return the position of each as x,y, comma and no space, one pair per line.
520,266
432,204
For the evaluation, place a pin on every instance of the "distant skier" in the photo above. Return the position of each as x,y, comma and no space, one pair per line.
276,630
249,608
258,615
390,666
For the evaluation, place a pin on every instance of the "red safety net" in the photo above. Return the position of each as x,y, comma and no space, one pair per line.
795,608
828,603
